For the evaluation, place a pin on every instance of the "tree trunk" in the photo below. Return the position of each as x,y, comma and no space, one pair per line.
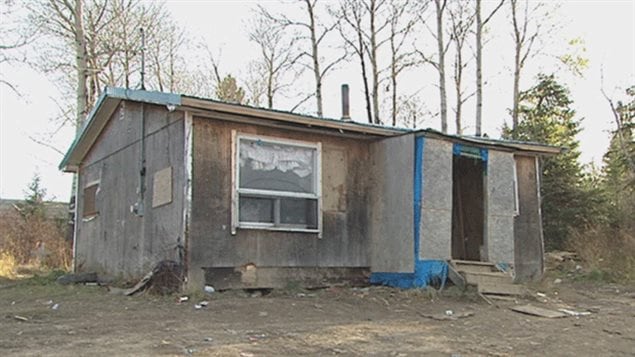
459,96
316,59
479,69
81,62
516,90
441,66
373,62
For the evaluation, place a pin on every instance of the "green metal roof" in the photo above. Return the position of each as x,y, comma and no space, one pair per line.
112,96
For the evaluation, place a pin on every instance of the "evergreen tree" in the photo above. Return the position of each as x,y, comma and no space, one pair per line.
545,116
228,90
619,167
34,197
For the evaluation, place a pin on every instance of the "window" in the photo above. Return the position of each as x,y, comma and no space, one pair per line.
90,200
516,193
276,184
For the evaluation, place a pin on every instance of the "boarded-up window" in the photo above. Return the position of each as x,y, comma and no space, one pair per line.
90,200
277,184
162,187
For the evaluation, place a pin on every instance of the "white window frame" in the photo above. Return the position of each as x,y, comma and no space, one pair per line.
95,214
516,190
236,190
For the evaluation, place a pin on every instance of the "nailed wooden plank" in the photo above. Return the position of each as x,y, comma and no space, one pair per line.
140,285
501,289
538,311
478,279
455,277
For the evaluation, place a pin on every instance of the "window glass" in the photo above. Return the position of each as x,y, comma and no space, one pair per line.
256,209
90,201
277,184
294,211
270,166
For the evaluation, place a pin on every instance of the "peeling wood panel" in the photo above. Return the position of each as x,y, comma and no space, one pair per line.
528,224
345,188
117,242
393,219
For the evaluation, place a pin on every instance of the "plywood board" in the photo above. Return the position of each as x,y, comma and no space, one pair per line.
538,311
162,187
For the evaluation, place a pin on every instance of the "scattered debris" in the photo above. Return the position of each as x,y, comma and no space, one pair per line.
557,281
20,318
246,354
139,286
575,313
55,306
253,337
538,311
77,278
561,256
183,299
201,305
612,332
445,317
541,294
209,289
449,312
165,278
208,339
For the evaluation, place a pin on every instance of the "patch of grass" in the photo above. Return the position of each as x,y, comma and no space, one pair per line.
8,265
47,278
596,276
607,256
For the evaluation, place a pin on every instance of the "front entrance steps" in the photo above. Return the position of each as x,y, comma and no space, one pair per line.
488,279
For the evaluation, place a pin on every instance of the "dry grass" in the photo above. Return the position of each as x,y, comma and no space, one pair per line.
36,242
606,253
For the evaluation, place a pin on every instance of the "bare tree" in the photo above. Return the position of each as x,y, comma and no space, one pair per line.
278,55
439,63
14,38
401,29
314,32
350,17
480,25
461,20
411,110
367,20
255,84
106,44
526,29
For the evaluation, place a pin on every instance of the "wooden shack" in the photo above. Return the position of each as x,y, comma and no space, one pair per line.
247,197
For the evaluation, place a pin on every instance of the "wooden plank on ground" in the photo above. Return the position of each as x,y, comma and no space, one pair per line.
501,289
538,311
455,277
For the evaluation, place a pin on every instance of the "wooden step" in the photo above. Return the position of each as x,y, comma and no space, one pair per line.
473,266
487,278
500,289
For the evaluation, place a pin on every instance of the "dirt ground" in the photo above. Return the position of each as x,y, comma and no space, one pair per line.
48,319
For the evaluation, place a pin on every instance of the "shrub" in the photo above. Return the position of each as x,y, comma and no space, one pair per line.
609,254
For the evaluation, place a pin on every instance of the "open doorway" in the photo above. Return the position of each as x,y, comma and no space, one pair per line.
468,211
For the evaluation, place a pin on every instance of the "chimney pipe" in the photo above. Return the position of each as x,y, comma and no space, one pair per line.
346,115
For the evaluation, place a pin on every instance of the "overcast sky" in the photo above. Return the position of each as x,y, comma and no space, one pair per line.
607,28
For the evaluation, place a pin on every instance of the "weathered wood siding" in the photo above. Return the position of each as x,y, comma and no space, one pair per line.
346,198
528,237
116,241
392,205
